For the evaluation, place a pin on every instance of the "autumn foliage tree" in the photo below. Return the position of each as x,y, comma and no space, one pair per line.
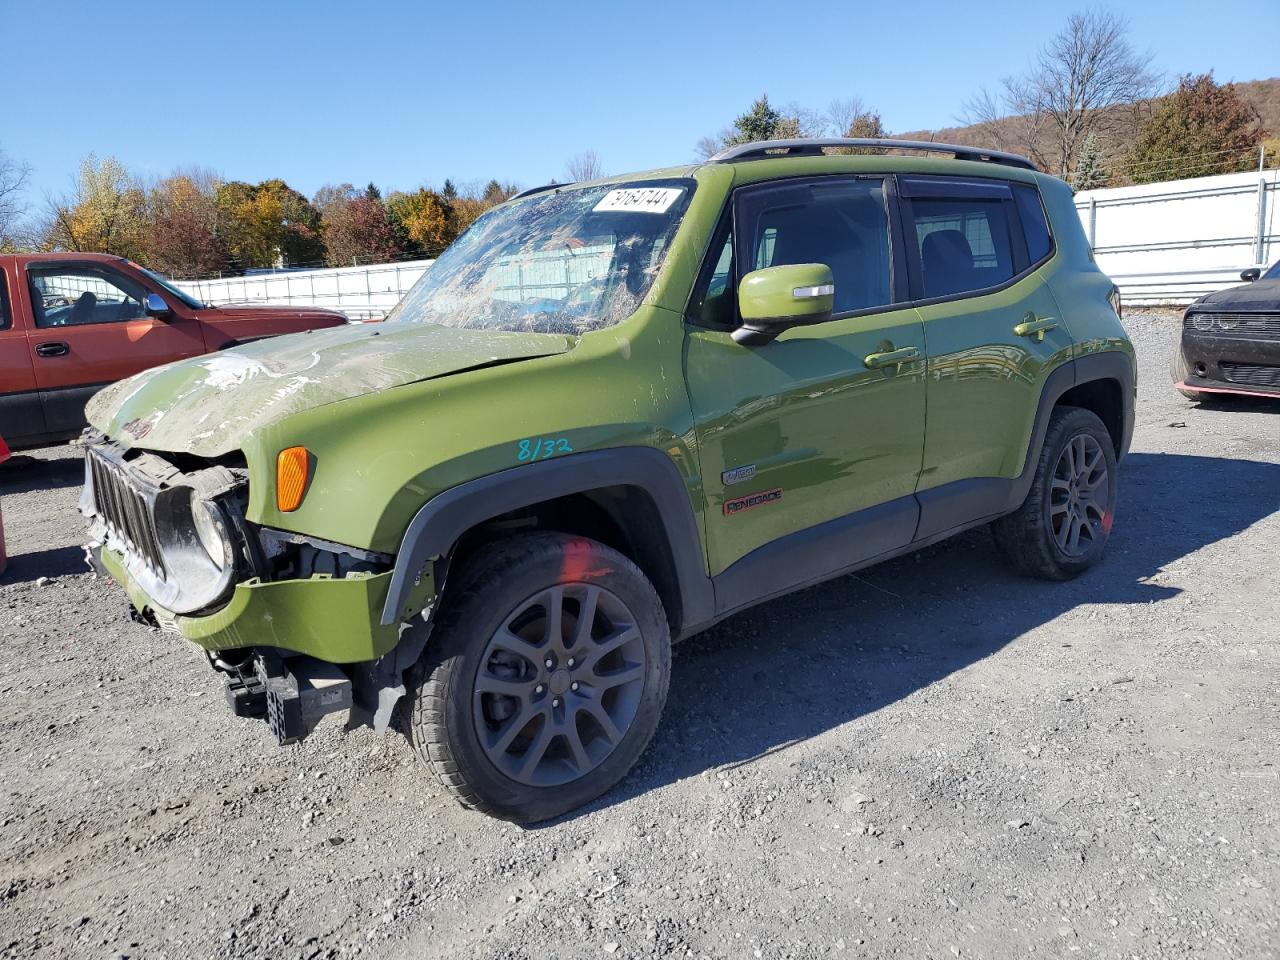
181,238
193,224
1202,128
105,213
423,218
268,224
357,229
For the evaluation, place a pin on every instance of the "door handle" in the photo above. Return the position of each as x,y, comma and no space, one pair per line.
875,361
1033,326
52,348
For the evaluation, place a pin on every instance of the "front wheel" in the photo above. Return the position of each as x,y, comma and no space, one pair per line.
1062,527
544,677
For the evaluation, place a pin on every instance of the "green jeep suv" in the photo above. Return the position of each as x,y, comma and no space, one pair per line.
610,415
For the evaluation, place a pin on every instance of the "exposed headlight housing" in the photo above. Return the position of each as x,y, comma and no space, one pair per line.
196,547
211,530
180,534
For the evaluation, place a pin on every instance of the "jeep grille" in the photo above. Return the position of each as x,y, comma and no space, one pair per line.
126,511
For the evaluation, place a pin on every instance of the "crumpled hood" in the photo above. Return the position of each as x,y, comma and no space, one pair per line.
206,405
1259,295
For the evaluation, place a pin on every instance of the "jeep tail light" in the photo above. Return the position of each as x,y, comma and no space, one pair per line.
293,469
1115,300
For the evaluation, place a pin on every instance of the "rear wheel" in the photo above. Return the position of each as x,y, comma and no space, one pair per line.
1179,371
1062,527
543,679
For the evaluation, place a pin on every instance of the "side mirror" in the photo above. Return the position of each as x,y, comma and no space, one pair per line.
777,298
156,307
1250,275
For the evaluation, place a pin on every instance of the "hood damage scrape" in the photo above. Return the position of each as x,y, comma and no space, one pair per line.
207,405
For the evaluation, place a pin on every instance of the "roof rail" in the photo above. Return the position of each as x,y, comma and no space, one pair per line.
542,189
814,146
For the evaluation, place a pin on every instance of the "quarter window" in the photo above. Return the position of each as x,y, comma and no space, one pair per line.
963,244
1034,226
74,295
4,303
716,309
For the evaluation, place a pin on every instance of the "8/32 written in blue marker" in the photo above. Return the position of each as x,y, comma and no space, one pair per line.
542,448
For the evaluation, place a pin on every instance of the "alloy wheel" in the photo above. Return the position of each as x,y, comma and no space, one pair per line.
1078,508
559,684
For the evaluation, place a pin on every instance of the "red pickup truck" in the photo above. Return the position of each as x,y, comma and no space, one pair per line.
70,323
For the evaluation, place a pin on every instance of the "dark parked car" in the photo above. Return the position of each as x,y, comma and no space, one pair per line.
1231,340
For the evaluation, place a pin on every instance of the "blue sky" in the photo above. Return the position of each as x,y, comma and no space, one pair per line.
410,93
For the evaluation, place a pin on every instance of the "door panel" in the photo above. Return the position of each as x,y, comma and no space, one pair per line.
812,420
985,380
801,431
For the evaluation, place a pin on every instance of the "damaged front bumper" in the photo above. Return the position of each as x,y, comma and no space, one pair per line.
294,651
337,620
1220,363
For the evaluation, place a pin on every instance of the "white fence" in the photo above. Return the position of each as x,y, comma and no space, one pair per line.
1161,243
1172,242
359,292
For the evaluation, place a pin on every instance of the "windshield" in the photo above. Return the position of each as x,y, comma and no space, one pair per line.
566,261
186,298
1273,273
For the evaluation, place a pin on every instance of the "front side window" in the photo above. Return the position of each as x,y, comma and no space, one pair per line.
568,260
841,223
79,294
963,244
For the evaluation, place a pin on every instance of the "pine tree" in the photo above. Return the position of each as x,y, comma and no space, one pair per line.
1091,171
761,122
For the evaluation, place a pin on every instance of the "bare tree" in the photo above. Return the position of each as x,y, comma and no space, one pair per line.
1086,70
1085,80
584,166
1008,120
708,147
13,180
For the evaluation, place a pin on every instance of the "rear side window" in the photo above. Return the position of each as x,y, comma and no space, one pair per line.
1034,225
963,244
4,302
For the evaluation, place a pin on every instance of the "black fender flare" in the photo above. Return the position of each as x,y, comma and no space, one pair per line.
445,517
1105,365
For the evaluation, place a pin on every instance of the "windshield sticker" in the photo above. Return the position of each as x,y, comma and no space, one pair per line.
638,200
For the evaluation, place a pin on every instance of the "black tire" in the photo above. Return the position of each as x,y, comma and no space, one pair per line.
451,723
1179,371
1031,538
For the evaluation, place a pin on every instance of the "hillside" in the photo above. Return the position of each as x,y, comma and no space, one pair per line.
1264,95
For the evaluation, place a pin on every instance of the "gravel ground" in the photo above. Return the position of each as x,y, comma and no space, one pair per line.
931,759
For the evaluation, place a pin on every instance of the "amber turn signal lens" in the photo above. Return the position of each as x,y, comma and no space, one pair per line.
292,466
